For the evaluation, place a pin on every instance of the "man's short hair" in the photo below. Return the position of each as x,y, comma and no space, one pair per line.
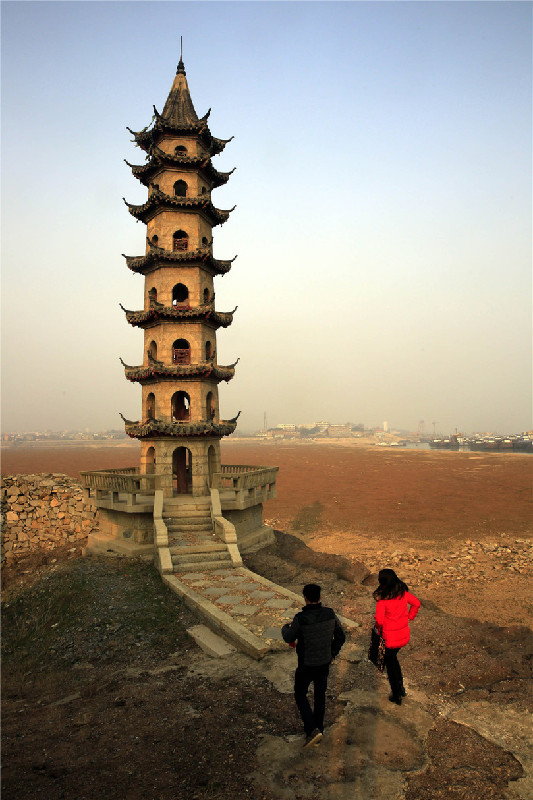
311,592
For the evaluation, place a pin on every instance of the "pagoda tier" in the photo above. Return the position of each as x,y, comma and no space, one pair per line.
157,311
156,371
147,139
160,160
179,118
158,200
153,428
159,257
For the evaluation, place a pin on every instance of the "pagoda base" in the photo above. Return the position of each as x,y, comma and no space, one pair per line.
123,533
99,544
252,533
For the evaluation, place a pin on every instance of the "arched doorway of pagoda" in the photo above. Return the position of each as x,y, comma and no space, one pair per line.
210,406
182,470
180,150
211,463
150,460
180,296
206,295
180,407
152,349
150,406
181,352
180,240
152,294
180,189
208,351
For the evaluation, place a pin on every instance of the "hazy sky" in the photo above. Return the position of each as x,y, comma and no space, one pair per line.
383,221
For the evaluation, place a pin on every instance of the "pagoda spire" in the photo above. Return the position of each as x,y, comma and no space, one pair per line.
181,66
179,107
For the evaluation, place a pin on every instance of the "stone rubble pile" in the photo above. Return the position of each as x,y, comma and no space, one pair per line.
469,560
43,511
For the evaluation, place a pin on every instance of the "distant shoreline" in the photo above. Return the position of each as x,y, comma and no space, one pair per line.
70,443
361,443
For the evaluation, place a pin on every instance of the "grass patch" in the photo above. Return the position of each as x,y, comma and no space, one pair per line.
93,610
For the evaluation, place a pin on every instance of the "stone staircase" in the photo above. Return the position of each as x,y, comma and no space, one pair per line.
192,541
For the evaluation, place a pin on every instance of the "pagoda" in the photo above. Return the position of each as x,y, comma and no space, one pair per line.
181,504
180,427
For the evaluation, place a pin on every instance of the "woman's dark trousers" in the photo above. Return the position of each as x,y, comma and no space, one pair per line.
394,671
302,678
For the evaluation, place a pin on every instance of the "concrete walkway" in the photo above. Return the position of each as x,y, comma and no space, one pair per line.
241,605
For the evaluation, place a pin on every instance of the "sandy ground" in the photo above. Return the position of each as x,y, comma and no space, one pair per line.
454,525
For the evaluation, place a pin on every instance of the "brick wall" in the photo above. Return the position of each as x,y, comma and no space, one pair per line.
43,511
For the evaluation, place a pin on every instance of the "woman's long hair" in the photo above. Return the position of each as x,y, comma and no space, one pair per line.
390,586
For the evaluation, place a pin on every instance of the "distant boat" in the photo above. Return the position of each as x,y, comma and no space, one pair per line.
450,443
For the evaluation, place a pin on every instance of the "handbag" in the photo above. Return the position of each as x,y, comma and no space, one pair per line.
376,651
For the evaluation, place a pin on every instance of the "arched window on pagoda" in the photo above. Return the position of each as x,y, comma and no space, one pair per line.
210,406
208,351
180,150
150,406
180,189
180,296
155,239
180,241
152,294
152,349
204,189
206,295
181,352
204,241
180,407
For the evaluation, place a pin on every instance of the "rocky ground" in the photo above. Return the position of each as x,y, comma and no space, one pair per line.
105,694
489,580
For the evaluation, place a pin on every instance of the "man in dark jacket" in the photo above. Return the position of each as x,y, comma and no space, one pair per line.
319,637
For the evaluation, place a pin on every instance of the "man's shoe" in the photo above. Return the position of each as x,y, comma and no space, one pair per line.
394,699
313,738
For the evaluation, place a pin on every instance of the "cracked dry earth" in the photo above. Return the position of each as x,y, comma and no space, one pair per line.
105,694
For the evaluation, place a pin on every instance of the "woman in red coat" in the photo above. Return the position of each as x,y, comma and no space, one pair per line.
395,606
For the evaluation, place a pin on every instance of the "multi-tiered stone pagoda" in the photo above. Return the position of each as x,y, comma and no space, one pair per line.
180,427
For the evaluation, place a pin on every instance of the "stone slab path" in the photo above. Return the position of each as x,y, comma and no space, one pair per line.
247,608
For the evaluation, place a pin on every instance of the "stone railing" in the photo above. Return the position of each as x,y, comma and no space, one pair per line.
109,484
242,486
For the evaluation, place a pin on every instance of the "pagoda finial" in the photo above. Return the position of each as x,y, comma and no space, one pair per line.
181,66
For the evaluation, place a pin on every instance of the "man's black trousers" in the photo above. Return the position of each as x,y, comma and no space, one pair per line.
303,677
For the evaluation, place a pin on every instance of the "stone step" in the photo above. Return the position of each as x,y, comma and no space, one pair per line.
208,547
197,558
188,538
198,505
200,519
186,566
188,526
187,516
